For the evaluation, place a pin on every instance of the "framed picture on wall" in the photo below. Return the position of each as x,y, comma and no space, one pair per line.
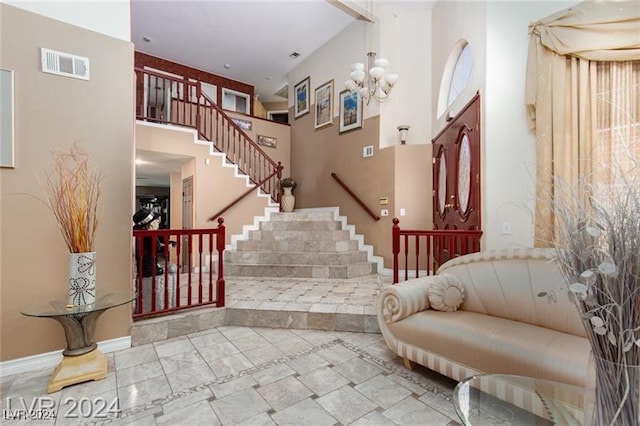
268,141
350,111
324,105
301,98
243,124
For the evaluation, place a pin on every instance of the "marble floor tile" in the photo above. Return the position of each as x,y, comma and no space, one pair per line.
346,404
357,370
305,412
135,356
230,365
206,338
252,375
239,406
273,374
384,392
263,354
186,378
200,413
306,363
410,411
142,393
373,418
139,373
284,393
181,360
323,380
336,354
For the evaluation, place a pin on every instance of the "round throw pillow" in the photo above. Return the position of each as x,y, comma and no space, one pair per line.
445,293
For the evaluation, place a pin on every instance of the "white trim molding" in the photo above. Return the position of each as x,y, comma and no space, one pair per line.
53,358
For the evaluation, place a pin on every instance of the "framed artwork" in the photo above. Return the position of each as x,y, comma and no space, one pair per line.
266,141
324,105
243,124
6,119
301,98
350,111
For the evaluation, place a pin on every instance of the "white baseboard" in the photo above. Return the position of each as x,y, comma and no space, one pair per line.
53,358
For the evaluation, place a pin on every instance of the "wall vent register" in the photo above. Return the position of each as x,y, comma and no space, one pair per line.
65,64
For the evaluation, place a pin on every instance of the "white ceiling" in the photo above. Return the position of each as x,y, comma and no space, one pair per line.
254,37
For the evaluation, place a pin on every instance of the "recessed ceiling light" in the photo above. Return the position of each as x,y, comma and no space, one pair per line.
294,55
227,66
267,78
146,39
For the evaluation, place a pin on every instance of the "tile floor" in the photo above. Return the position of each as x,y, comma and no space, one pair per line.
235,375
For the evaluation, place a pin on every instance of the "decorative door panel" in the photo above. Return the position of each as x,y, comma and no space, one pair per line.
456,171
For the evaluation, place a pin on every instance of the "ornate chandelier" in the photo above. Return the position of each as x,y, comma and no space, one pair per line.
372,82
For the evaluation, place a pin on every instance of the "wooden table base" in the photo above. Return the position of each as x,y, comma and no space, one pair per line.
76,369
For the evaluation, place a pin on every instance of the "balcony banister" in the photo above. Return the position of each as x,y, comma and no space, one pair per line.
179,101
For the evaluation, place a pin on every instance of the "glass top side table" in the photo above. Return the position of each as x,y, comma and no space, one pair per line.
517,400
81,359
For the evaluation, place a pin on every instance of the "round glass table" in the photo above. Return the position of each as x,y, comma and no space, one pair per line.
81,359
491,399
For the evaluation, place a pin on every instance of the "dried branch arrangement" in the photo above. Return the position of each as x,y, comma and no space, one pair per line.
598,246
73,197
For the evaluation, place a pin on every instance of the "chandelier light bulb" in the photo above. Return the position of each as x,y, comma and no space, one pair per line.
357,76
376,72
358,66
382,63
351,85
391,79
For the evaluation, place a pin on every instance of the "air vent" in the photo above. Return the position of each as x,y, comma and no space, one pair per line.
65,64
284,92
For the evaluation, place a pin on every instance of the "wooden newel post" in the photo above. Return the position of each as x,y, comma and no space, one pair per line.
220,243
278,189
395,244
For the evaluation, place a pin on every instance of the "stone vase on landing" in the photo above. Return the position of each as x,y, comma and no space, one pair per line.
288,201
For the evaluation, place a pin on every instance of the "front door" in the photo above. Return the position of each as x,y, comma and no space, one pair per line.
456,171
187,217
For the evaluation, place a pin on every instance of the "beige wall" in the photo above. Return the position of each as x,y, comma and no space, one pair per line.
317,154
52,112
282,133
214,186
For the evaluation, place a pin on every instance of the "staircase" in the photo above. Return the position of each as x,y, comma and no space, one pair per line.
299,245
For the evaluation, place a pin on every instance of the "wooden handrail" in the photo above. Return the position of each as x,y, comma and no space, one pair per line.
166,99
355,197
247,192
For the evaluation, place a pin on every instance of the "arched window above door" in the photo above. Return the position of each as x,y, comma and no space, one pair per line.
455,76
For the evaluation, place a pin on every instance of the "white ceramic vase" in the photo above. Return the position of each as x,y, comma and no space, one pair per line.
82,278
288,200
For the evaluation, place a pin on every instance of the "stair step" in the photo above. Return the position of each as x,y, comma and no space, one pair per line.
297,245
301,271
313,225
333,235
295,258
302,216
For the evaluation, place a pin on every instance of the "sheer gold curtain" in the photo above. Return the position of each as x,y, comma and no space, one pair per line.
565,50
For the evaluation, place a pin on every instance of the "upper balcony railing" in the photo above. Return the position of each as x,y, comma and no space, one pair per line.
162,98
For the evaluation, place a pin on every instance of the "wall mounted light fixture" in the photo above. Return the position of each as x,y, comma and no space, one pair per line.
404,133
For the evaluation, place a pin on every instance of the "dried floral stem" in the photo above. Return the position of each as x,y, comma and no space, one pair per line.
74,195
598,246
